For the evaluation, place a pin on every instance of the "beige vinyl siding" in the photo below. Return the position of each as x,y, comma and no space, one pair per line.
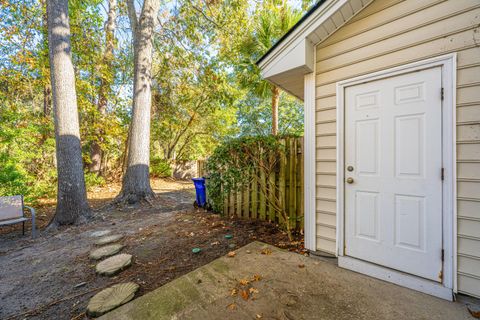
390,33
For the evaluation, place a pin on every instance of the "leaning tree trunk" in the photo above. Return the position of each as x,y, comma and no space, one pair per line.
96,151
47,88
275,99
136,181
72,206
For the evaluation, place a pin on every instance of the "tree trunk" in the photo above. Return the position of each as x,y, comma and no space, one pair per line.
275,99
96,152
47,101
47,88
72,206
136,182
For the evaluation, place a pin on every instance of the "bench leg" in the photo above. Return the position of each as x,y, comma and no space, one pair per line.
23,228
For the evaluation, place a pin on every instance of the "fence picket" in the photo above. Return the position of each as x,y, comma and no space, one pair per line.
261,196
271,196
254,194
246,201
238,208
231,208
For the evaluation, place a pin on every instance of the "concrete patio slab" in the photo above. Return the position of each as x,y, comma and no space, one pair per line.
264,282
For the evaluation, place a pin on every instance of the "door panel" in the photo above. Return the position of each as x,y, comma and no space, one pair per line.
393,144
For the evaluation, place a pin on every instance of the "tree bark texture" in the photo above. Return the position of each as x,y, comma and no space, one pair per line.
275,99
96,152
47,101
72,206
136,181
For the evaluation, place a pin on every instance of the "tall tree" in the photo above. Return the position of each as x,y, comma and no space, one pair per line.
106,75
270,21
72,206
136,181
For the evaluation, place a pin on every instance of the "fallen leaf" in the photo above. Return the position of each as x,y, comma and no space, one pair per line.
215,243
301,265
234,292
232,306
259,316
253,290
245,295
257,277
243,282
266,251
231,254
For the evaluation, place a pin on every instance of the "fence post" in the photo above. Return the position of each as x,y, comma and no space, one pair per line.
281,179
292,187
301,210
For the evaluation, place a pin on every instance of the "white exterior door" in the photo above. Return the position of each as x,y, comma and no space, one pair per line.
393,157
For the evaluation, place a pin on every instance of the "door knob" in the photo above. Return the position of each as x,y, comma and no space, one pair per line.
350,180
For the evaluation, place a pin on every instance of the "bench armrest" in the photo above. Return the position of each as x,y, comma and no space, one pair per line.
32,211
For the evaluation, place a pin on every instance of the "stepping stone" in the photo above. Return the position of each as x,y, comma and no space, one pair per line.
113,265
111,298
106,251
108,239
100,233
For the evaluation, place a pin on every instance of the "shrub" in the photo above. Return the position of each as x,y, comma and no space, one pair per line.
93,180
12,180
160,168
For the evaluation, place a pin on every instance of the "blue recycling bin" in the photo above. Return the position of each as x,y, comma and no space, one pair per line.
200,191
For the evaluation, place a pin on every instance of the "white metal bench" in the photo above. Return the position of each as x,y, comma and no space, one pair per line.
12,211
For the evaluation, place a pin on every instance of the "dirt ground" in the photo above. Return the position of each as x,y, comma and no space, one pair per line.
52,276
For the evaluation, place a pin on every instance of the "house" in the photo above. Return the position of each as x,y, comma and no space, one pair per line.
391,90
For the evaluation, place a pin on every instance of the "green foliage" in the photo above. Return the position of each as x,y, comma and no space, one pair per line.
27,149
227,165
206,86
160,168
93,180
267,23
194,96
254,116
12,180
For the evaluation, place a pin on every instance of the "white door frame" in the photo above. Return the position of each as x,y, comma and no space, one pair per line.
448,65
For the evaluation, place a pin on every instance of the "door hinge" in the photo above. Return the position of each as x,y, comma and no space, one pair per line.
442,94
443,174
443,255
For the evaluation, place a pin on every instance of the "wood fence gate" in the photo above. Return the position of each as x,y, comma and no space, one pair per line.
250,202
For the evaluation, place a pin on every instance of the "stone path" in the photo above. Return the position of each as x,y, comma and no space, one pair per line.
105,251
108,239
110,298
114,265
116,295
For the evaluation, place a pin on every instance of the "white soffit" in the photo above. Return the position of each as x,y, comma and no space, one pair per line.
293,57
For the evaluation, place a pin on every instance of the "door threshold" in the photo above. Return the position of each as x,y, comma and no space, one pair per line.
399,278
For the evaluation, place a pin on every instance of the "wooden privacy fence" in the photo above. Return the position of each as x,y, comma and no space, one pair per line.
250,202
